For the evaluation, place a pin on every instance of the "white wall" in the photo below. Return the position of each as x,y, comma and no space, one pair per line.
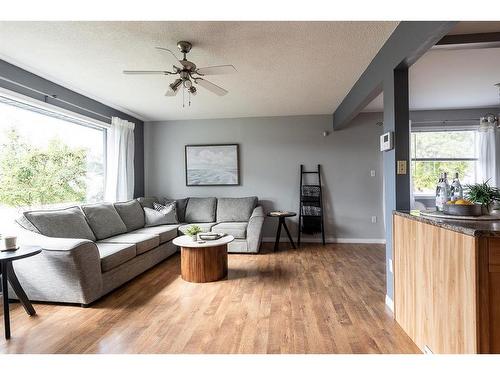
271,150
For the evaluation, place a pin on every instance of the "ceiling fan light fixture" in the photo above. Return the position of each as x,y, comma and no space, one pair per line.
175,85
187,83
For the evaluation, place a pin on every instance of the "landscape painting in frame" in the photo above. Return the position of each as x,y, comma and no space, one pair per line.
210,165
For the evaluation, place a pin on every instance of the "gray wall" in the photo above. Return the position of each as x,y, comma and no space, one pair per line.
271,150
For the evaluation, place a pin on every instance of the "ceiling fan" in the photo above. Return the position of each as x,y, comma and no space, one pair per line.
188,73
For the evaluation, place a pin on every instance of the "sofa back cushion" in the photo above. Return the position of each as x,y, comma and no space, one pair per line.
65,223
26,224
235,209
147,201
180,206
104,220
131,213
200,210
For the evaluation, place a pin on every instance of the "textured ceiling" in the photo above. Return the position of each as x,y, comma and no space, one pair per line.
451,79
284,68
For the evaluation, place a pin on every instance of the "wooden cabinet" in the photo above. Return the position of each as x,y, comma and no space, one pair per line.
446,287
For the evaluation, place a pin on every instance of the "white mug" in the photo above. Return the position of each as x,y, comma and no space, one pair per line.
9,242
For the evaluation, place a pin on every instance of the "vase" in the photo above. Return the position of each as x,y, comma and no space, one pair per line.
485,209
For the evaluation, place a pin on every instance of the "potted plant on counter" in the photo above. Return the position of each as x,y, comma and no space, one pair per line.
193,231
483,194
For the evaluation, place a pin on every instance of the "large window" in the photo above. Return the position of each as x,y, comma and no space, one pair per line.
47,159
436,152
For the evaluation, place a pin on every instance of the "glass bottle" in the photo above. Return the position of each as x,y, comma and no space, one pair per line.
439,205
457,191
447,191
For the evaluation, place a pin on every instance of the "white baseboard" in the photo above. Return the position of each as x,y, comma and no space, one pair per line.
329,240
389,302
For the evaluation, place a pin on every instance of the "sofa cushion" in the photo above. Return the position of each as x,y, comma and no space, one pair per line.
114,254
235,229
235,209
104,220
65,223
205,227
143,242
180,206
147,201
200,210
131,213
26,224
165,232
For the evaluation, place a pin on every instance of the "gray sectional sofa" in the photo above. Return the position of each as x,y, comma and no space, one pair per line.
92,249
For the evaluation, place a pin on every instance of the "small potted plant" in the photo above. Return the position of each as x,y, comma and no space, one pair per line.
193,231
483,194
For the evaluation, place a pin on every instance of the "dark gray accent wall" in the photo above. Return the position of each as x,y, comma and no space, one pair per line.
457,116
139,159
397,186
23,82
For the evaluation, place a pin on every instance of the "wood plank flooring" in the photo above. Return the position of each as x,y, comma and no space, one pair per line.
313,300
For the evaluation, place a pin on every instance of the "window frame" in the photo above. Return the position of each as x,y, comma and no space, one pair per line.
45,109
440,129
39,106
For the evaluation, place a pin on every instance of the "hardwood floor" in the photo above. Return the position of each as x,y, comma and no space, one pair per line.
313,300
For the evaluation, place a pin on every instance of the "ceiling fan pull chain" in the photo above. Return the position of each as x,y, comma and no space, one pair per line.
183,95
189,95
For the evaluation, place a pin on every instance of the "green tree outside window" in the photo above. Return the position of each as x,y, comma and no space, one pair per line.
33,176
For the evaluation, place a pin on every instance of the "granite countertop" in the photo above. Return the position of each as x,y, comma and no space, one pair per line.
468,227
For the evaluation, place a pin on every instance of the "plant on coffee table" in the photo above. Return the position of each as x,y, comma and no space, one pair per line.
192,231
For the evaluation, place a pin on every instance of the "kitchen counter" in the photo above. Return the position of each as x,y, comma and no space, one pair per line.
447,282
489,228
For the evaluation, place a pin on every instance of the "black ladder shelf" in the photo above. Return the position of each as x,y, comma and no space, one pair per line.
311,205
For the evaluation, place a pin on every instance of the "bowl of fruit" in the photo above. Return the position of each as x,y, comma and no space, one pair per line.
462,207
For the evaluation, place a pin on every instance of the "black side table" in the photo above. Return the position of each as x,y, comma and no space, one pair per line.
7,272
282,216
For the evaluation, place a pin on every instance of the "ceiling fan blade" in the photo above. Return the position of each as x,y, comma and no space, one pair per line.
177,61
216,70
211,86
173,88
146,72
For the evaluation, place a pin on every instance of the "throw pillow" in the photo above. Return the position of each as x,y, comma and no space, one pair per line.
169,210
160,214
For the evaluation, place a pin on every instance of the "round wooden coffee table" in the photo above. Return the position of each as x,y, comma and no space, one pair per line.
203,262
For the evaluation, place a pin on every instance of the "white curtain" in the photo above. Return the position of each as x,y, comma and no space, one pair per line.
120,161
489,152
